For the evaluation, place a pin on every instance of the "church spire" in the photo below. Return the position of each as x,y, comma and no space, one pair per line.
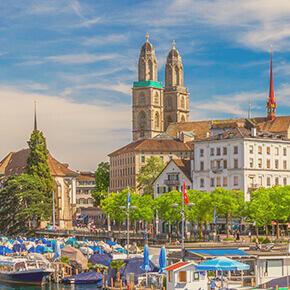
271,104
35,119
249,110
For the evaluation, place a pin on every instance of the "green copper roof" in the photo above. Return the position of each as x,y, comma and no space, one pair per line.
147,84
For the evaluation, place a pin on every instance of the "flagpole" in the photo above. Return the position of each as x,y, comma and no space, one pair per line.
128,228
109,227
182,226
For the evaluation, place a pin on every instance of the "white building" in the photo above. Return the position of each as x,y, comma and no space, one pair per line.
241,159
183,275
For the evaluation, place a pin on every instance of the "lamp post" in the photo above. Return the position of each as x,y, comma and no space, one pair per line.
175,205
127,212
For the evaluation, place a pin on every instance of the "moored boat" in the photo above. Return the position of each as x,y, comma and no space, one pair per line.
24,271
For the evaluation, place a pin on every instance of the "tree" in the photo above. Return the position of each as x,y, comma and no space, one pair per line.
228,202
102,176
37,161
23,199
148,174
117,265
203,211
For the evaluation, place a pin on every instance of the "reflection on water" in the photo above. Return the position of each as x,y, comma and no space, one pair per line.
49,286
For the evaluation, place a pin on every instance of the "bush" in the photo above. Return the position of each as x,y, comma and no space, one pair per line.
90,265
228,239
285,241
254,240
260,240
64,259
266,241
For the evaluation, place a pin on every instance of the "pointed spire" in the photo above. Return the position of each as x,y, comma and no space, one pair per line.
173,43
249,110
271,104
35,120
147,37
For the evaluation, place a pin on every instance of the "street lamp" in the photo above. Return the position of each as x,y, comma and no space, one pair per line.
175,205
127,212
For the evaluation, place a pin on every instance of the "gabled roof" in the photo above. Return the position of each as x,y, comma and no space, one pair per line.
278,125
184,166
86,176
176,266
154,145
15,163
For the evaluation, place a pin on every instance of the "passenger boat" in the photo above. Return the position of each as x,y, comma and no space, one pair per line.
19,270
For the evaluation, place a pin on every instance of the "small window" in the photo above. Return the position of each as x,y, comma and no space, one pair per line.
285,181
201,165
276,151
251,149
268,163
268,181
260,181
236,180
276,180
225,151
276,164
218,182
182,276
211,151
260,150
218,151
268,150
225,181
284,164
236,163
201,182
251,162
225,164
201,153
285,151
260,163
236,149
212,182
142,159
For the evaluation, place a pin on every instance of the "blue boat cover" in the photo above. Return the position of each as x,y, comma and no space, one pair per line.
104,259
97,249
218,252
4,250
88,277
110,243
132,266
19,248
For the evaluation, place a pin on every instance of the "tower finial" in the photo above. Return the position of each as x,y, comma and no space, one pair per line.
147,37
35,119
249,110
173,43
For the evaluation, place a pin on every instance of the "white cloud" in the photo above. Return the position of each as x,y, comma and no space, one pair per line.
88,22
104,39
79,134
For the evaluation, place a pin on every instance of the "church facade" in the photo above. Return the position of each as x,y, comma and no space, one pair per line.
154,107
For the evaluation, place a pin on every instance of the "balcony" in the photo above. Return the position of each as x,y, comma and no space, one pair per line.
253,186
172,182
217,169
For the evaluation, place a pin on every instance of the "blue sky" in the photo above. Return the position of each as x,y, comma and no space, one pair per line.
79,59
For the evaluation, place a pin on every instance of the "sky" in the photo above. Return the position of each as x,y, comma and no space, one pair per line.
78,59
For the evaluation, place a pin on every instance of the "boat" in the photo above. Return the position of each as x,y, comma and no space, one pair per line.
22,270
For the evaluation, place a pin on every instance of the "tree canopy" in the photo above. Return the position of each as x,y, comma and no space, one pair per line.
148,173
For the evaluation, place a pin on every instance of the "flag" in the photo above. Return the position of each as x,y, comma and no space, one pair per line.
128,198
215,216
185,197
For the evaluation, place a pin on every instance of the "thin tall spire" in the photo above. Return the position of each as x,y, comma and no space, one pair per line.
249,110
35,119
271,104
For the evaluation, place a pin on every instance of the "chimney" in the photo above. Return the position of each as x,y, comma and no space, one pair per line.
254,132
207,134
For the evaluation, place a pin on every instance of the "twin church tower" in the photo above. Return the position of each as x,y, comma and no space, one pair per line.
155,107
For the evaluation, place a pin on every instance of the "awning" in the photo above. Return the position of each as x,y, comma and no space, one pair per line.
83,217
211,253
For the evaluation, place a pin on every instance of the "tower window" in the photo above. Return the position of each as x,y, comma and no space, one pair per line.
176,76
182,119
169,120
142,120
150,73
169,102
156,98
182,102
156,120
142,99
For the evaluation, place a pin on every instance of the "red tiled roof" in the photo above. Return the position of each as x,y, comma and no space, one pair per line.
154,145
15,163
184,166
86,176
176,266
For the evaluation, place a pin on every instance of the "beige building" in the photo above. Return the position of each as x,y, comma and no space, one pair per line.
126,162
64,179
85,184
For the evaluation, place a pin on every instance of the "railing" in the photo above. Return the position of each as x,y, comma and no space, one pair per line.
217,169
172,182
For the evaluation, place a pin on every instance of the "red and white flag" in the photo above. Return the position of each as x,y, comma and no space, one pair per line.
185,197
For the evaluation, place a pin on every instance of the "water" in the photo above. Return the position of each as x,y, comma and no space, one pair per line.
49,286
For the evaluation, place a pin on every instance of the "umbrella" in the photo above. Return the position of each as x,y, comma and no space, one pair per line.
56,251
222,264
146,266
162,260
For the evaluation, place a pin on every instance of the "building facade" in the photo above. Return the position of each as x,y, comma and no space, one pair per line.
241,159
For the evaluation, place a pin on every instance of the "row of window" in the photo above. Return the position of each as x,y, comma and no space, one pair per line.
183,277
85,201
86,182
268,150
165,189
123,172
255,182
219,164
276,164
218,151
84,191
122,161
218,182
122,183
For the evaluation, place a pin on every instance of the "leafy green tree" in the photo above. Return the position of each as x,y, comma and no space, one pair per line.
23,199
148,173
259,208
37,164
203,211
228,202
117,265
102,176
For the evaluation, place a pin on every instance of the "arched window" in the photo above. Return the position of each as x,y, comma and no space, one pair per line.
142,120
142,99
169,102
182,102
169,120
182,119
142,69
170,76
150,70
156,98
156,120
176,76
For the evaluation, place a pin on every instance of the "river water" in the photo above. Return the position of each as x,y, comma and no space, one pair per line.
49,286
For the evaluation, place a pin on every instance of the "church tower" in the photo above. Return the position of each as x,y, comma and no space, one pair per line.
147,108
176,97
271,104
